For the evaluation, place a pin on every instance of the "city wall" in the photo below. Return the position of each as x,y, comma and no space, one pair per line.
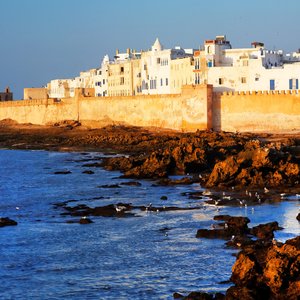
268,111
195,108
188,111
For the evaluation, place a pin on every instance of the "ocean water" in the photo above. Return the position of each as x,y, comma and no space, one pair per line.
147,256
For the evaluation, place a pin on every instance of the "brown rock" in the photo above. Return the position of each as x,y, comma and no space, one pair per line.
7,222
265,231
270,269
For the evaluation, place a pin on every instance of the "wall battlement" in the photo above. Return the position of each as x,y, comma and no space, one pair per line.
266,92
197,107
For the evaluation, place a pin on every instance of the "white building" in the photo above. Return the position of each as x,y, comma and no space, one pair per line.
247,69
156,68
101,79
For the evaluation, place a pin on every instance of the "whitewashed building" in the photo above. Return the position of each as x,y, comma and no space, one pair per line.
101,78
246,69
156,68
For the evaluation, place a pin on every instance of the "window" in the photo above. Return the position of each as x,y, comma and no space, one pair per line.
243,79
167,81
122,70
158,60
161,82
145,67
272,84
122,80
103,81
293,84
221,81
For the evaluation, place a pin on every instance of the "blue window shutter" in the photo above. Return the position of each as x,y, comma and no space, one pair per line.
297,84
272,84
290,84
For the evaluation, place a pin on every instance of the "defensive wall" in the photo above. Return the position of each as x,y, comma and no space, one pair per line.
188,111
268,111
197,107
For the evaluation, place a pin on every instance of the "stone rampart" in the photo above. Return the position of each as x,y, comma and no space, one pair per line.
197,107
188,111
269,111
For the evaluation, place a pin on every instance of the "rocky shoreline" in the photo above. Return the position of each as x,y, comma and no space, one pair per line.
236,169
214,159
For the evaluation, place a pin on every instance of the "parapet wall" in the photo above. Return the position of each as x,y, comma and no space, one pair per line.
188,111
269,111
197,107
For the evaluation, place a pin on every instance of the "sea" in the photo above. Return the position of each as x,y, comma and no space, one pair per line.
147,255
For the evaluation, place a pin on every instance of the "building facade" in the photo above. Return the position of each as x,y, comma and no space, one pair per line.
165,71
7,95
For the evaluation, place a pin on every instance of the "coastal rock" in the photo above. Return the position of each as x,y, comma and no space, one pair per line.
7,222
111,210
88,172
232,226
298,217
265,231
257,166
199,296
64,172
267,271
85,220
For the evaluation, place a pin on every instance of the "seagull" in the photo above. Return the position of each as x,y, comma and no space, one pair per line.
217,202
120,208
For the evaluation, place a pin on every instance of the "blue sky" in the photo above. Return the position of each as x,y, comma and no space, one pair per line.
47,39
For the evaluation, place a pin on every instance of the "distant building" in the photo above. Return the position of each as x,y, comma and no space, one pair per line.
7,95
156,68
245,69
164,71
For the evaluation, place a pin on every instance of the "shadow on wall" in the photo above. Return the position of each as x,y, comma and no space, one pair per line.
216,112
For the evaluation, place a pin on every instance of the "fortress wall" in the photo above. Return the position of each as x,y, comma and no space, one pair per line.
197,107
270,111
188,111
38,111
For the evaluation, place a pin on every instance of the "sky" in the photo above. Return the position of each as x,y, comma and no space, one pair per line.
43,40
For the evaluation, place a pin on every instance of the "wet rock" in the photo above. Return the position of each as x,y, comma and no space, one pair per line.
265,231
267,270
232,226
88,172
177,296
298,217
111,210
7,222
163,198
131,183
85,220
199,296
63,172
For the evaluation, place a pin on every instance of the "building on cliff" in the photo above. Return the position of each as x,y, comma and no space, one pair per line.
245,69
7,95
165,71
